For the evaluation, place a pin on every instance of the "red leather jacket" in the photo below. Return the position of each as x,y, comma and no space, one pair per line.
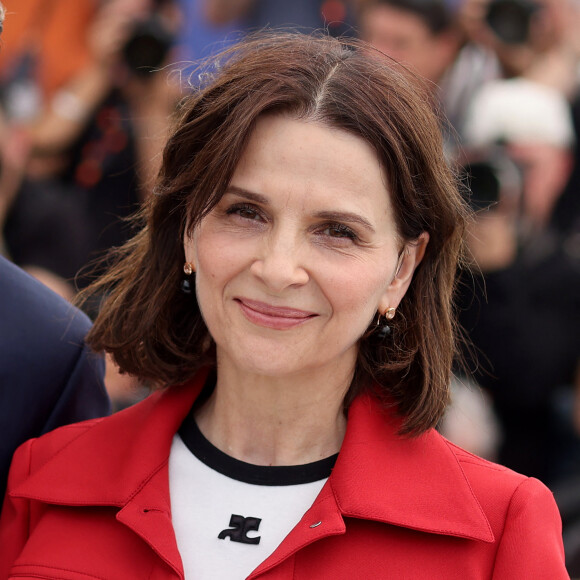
91,501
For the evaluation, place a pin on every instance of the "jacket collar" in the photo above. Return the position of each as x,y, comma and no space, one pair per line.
412,482
416,482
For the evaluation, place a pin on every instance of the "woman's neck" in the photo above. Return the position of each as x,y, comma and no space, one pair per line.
275,420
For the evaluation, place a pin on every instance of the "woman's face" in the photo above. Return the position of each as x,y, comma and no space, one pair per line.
300,253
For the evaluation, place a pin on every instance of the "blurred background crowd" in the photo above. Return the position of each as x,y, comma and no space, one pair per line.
88,89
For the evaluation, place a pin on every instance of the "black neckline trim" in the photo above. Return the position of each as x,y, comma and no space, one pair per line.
247,472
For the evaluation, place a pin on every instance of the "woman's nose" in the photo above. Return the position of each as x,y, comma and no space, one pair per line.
279,263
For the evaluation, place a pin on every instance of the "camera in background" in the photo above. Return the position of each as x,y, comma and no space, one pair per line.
147,46
491,176
510,19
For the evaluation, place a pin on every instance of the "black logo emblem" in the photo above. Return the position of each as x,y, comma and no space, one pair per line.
240,528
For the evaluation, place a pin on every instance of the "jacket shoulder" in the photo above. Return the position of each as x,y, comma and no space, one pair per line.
479,468
498,488
41,449
523,515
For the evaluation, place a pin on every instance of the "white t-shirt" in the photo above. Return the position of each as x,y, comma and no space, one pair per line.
229,516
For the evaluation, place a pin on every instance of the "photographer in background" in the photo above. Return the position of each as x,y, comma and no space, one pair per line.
421,34
427,36
520,303
43,48
95,143
536,39
524,317
534,123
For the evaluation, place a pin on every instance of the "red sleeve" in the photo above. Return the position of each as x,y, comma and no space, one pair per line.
15,517
531,546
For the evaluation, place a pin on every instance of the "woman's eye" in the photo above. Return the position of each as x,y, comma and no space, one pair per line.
339,231
244,211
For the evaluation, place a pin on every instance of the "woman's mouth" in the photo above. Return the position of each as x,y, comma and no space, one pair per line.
276,317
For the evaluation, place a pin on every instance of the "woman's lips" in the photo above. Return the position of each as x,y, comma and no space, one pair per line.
277,317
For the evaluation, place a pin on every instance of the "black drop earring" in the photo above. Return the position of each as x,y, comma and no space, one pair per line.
384,331
186,286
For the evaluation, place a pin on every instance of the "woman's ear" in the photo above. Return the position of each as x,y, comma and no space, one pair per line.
409,259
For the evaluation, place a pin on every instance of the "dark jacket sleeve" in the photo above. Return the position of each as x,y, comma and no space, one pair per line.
48,376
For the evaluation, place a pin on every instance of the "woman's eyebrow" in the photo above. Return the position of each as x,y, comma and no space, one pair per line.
345,216
249,195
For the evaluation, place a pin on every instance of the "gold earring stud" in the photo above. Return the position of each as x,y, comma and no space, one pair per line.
188,268
390,313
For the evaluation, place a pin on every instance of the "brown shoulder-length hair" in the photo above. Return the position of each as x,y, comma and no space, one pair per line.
156,332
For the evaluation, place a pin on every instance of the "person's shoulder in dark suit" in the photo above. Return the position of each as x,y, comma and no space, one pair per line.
48,375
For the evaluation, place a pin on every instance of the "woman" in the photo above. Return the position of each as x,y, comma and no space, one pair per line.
293,283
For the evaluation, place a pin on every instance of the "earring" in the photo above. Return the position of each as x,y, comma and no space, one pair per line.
186,282
384,330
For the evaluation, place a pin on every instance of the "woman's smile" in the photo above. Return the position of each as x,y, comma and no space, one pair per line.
276,317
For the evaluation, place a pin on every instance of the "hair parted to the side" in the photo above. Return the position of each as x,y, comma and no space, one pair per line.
156,332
